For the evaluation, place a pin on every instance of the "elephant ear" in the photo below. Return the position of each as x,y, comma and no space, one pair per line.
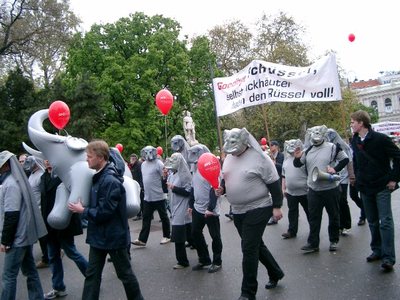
74,143
244,135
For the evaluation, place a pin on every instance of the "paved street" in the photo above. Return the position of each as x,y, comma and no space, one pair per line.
324,275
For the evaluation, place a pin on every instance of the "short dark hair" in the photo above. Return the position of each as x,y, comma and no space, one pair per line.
273,143
134,155
362,116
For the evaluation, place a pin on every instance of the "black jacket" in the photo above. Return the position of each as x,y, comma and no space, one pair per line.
106,213
376,161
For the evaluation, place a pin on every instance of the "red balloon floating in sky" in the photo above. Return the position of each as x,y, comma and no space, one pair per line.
59,114
160,150
164,101
263,141
351,37
120,147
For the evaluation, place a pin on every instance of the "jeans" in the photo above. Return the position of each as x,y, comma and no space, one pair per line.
148,209
54,245
251,226
123,268
14,260
357,200
317,200
378,209
293,215
213,225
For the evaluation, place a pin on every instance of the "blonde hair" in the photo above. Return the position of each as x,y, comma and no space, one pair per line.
99,148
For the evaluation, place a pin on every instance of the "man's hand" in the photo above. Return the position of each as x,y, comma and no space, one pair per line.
277,214
76,207
189,210
208,214
391,185
4,248
219,191
297,152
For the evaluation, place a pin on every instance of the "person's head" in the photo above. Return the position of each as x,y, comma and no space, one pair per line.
133,159
149,153
22,158
360,119
98,153
274,146
4,158
30,165
235,141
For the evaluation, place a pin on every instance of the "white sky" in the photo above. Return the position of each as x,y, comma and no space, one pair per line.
327,24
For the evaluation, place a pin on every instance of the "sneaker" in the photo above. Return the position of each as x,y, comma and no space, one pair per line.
387,266
139,243
55,294
309,249
345,231
165,240
179,266
333,247
41,265
214,268
288,235
200,266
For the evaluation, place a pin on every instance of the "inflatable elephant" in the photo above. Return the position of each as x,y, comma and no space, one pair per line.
67,156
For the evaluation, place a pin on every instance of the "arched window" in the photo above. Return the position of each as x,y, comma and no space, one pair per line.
374,104
388,105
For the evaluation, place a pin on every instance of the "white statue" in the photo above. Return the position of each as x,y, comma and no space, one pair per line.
189,129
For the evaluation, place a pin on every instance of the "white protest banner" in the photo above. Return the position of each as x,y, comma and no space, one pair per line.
262,82
386,127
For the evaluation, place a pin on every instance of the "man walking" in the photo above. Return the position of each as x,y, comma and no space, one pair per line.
21,225
377,170
107,231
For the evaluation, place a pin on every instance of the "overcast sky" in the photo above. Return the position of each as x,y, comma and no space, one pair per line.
327,24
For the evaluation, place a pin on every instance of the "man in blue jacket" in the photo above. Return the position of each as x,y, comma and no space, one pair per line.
107,231
377,169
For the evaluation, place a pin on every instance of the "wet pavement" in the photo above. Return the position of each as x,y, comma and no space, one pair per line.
343,274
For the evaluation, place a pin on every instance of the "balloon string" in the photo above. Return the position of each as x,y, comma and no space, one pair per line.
166,139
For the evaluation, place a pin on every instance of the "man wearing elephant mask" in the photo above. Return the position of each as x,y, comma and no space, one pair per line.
21,225
252,186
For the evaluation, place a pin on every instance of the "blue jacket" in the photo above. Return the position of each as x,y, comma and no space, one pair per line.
380,165
108,227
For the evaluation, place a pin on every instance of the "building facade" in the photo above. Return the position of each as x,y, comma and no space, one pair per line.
383,94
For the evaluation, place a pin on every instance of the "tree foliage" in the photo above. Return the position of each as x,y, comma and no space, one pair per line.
34,35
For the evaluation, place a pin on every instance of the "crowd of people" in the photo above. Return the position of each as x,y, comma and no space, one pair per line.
314,173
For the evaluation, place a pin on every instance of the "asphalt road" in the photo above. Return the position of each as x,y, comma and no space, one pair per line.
343,274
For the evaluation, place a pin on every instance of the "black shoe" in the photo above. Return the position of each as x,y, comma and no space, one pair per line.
387,266
273,283
288,235
309,249
361,222
373,257
214,268
200,266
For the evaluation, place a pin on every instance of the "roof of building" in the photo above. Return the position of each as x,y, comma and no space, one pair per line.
365,84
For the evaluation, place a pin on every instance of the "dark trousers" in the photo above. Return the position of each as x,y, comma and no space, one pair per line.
317,200
148,210
344,209
122,265
43,247
214,228
293,215
251,226
179,237
354,195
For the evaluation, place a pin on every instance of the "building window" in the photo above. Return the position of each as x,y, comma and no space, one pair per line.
374,105
388,105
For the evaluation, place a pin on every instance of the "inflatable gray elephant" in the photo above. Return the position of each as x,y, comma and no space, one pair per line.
67,156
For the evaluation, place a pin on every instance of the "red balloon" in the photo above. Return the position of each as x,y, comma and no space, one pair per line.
160,150
119,147
59,114
263,141
164,101
352,37
210,168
